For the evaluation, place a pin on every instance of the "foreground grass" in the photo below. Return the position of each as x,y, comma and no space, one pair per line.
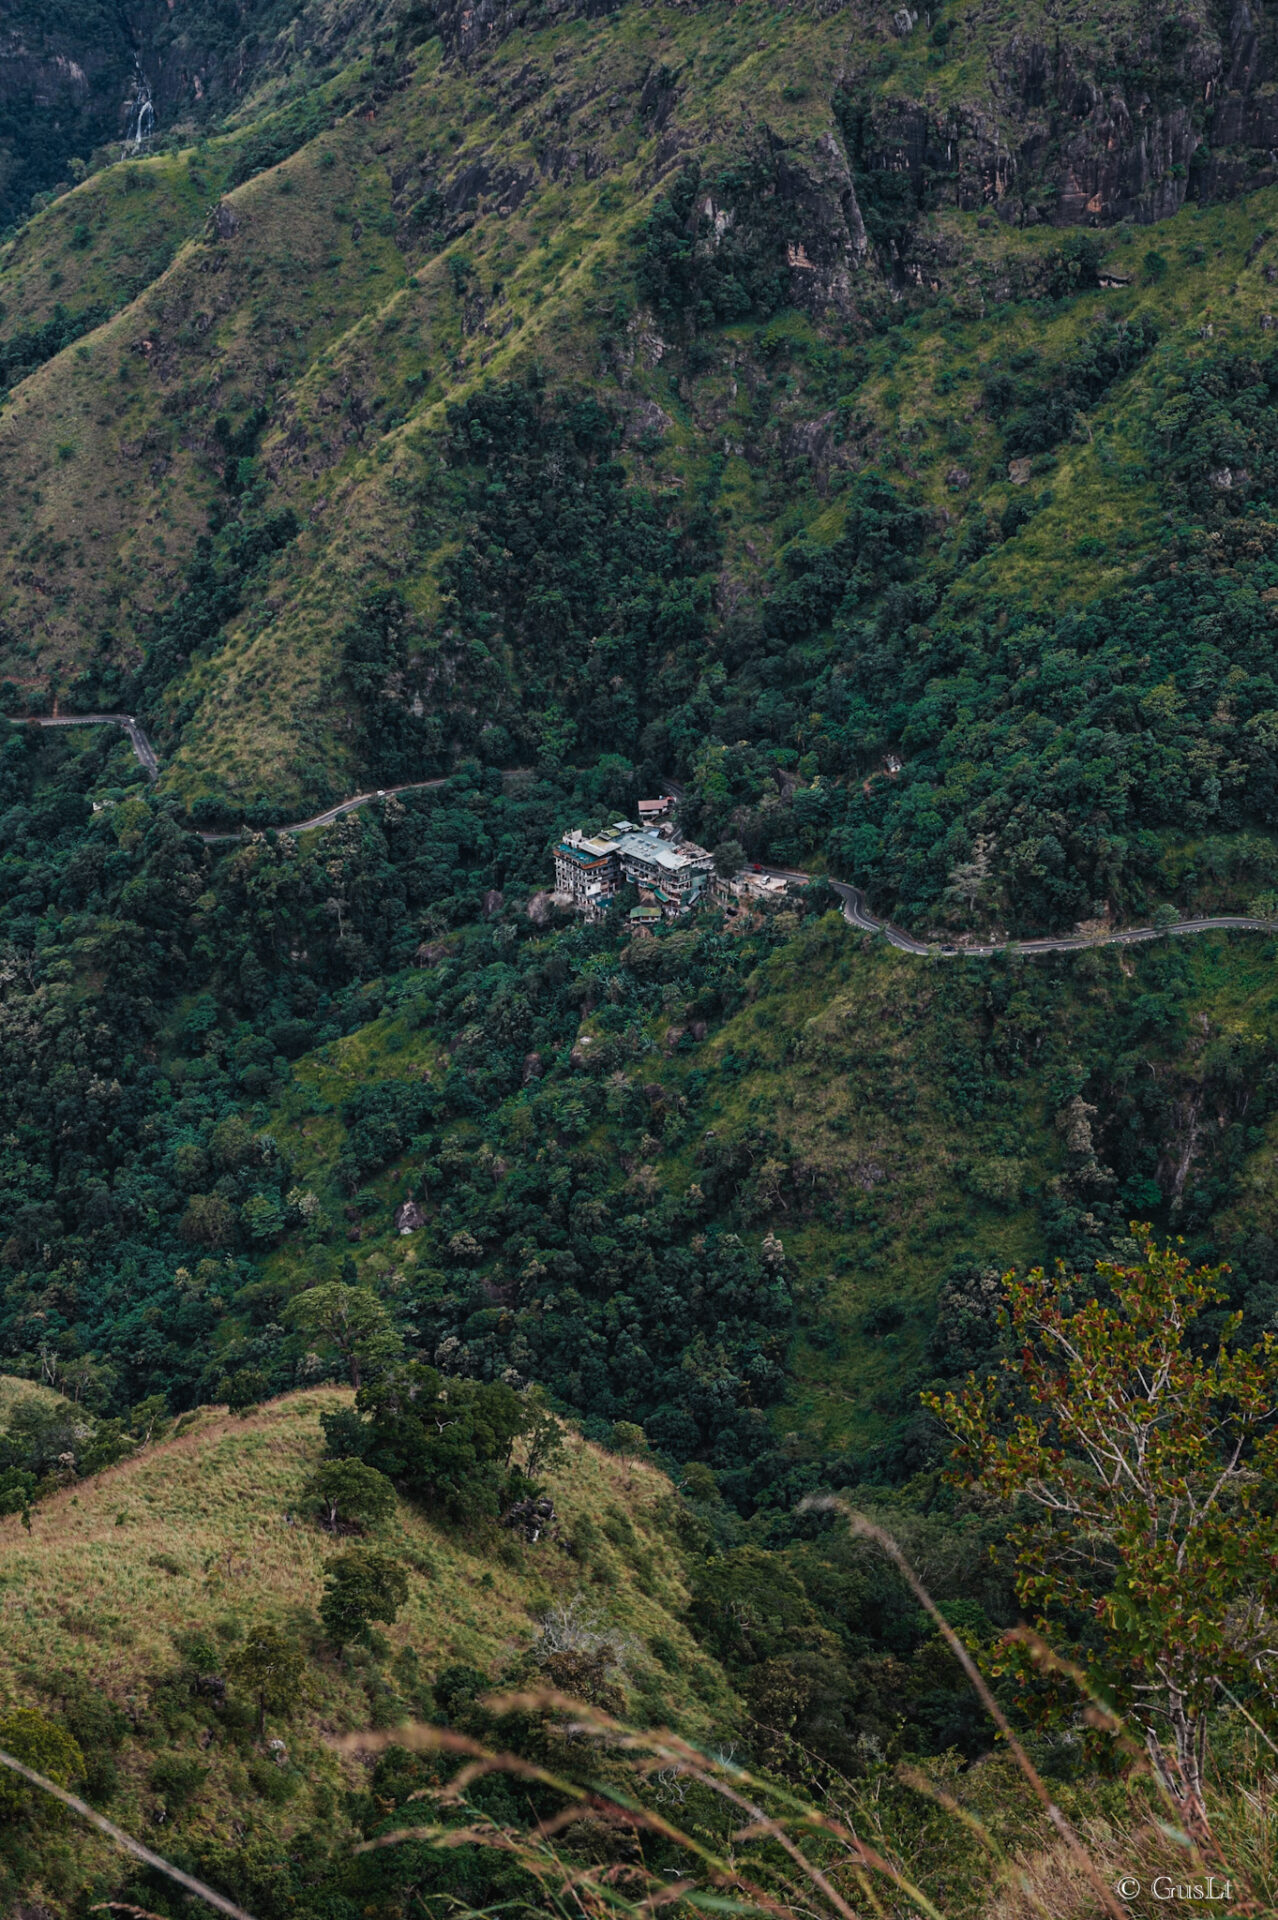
131,1583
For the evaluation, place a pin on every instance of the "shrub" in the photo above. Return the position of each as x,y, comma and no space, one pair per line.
176,1778
360,1587
247,1389
45,1747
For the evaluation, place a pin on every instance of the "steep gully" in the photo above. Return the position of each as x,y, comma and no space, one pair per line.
854,909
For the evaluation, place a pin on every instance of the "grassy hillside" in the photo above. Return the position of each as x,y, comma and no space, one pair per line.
133,1585
210,489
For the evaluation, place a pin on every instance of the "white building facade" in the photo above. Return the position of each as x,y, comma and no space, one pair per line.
589,869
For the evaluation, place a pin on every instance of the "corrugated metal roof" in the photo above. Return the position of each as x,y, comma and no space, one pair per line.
650,847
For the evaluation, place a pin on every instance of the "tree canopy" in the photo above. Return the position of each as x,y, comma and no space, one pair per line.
1148,1457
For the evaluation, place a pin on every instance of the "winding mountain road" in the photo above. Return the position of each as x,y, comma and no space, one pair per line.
858,915
151,766
141,745
855,911
327,818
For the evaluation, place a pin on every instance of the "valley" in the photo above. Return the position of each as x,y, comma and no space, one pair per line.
425,432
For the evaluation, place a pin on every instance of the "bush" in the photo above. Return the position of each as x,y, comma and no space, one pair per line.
17,1491
176,1778
248,1388
360,1587
45,1747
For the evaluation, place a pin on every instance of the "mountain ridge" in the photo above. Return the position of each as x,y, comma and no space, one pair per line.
132,1589
322,425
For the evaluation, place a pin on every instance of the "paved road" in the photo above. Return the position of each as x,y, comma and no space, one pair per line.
335,813
146,754
855,911
857,914
141,745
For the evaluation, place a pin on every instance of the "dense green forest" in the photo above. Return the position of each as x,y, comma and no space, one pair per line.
647,1183
529,414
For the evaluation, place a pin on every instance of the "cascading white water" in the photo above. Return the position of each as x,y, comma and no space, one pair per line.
141,123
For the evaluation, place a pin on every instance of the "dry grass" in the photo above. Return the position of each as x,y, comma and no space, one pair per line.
202,1536
1045,1880
209,1525
972,1847
13,1390
950,1841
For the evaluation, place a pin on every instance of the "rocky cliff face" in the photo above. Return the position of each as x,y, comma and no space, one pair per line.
71,73
1113,118
62,92
1074,134
1117,118
70,78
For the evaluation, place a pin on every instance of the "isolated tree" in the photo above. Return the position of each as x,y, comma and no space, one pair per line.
445,1443
582,1655
270,1666
629,1441
1149,1458
543,1433
150,1419
352,1319
349,1493
359,1587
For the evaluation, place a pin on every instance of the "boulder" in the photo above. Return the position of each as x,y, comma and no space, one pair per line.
409,1216
532,1517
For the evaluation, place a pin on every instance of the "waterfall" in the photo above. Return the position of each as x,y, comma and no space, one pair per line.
141,121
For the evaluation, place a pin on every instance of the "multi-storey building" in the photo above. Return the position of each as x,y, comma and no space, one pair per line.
589,868
586,870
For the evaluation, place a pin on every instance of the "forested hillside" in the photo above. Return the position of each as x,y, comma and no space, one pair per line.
850,403
856,424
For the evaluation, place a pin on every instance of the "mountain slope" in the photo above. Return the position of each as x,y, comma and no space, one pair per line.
856,425
137,1584
209,490
80,80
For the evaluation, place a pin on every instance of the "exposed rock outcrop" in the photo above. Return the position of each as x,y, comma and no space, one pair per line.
1075,135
